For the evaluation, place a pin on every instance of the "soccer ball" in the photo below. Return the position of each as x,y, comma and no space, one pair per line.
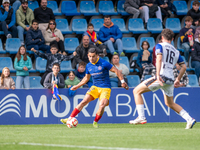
72,122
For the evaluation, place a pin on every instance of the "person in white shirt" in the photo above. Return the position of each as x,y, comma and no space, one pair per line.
167,57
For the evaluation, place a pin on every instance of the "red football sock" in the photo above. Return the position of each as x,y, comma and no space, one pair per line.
74,112
97,118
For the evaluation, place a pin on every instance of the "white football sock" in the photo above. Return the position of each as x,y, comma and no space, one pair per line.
185,115
140,110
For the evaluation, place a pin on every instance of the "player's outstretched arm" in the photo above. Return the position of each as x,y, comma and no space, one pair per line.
83,81
180,75
120,76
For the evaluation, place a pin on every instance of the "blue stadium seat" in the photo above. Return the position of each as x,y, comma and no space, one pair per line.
147,77
179,47
106,58
154,25
121,24
79,26
54,6
181,7
71,44
1,48
12,45
173,24
87,8
107,8
6,62
40,64
66,67
35,82
188,68
32,70
193,82
135,58
150,40
63,26
120,8
97,23
129,45
33,4
124,60
14,78
133,80
114,82
68,8
136,26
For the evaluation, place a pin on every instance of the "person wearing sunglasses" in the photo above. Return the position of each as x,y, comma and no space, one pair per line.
53,36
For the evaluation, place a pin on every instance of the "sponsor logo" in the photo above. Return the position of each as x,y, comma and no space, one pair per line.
10,103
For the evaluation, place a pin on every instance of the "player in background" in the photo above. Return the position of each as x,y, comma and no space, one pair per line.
99,70
167,57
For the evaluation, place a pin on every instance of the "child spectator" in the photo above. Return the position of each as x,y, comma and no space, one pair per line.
52,58
121,67
72,80
22,64
53,36
54,78
34,38
80,73
194,13
94,38
6,81
144,60
186,35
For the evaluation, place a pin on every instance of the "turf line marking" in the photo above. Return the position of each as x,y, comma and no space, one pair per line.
76,146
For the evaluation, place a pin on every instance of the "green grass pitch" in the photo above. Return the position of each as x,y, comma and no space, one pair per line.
163,136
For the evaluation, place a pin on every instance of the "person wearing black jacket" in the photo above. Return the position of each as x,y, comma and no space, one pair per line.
43,15
52,58
194,13
82,51
195,56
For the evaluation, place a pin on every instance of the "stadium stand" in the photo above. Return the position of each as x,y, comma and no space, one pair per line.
1,48
12,45
136,26
106,58
71,44
33,4
181,7
79,26
133,80
6,62
114,82
124,60
193,82
40,64
66,67
129,45
68,8
54,6
120,8
121,24
150,40
87,8
63,26
107,8
35,82
174,24
97,23
154,25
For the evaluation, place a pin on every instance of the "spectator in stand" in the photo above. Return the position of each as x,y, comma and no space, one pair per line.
150,9
53,36
54,77
80,73
82,51
52,58
195,56
34,38
121,67
7,19
94,39
24,16
6,82
144,60
195,14
22,65
186,35
111,35
43,15
14,3
167,8
133,7
197,30
72,80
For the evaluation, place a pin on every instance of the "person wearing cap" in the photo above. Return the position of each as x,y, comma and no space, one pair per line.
43,15
7,19
24,16
14,3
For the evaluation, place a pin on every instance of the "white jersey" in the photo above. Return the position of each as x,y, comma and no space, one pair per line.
170,56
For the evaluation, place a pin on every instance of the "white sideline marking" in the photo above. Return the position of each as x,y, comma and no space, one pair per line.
75,146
